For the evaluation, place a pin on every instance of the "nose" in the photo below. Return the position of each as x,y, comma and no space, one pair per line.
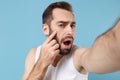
69,30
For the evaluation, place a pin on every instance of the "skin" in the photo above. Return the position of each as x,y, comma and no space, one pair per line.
84,59
49,51
104,55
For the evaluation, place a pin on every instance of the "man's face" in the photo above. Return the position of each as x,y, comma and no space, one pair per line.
63,23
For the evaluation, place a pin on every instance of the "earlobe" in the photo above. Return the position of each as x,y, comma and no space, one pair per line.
45,29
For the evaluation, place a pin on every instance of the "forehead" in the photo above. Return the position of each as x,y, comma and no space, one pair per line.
62,15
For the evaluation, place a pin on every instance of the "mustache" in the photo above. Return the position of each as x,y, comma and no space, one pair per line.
69,36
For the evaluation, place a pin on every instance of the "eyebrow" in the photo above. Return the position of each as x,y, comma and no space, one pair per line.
66,22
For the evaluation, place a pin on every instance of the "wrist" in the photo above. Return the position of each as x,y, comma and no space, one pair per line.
41,65
39,71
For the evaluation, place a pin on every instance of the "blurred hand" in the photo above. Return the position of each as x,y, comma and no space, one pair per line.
49,50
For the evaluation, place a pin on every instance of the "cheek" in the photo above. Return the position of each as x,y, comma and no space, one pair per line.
73,33
59,36
58,32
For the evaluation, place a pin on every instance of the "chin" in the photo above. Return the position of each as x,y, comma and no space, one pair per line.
65,51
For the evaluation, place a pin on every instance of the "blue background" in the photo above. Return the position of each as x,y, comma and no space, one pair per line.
20,30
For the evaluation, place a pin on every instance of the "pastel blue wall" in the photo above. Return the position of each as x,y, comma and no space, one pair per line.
20,30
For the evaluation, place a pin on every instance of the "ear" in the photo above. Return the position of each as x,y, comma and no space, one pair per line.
45,29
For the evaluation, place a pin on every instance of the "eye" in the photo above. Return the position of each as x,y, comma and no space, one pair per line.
61,25
73,25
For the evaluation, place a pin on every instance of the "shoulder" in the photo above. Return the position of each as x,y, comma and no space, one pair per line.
79,50
77,59
29,62
31,56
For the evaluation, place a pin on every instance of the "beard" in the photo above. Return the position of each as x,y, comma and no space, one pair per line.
62,51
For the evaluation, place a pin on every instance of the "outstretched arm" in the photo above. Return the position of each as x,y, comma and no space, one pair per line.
104,55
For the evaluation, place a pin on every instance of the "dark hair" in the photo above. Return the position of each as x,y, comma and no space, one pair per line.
47,14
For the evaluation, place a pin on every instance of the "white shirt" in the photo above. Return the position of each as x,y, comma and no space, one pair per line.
65,69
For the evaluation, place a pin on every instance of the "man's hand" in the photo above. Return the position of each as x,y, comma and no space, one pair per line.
49,50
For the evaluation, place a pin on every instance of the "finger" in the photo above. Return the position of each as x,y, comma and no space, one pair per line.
57,52
52,43
51,37
55,47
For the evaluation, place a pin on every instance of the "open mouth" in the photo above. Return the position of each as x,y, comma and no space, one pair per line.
67,43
